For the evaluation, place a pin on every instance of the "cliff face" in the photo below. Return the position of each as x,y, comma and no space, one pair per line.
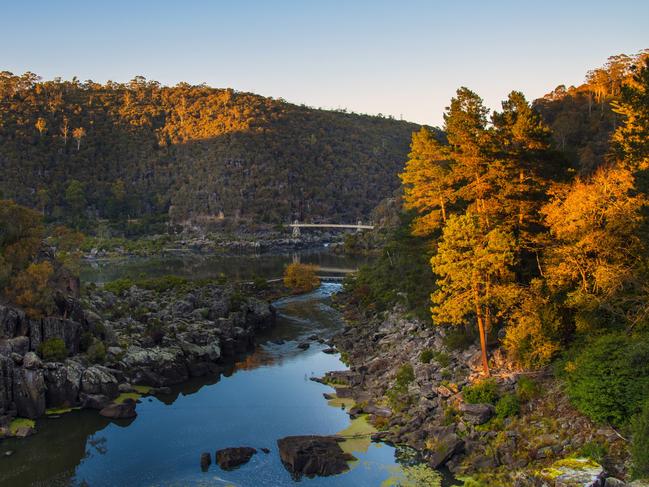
182,334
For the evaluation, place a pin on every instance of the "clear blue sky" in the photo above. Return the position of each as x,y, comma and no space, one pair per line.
401,57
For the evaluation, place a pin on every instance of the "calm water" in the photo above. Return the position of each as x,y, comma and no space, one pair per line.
263,397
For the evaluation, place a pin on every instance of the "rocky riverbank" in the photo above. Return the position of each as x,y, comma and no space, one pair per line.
244,243
109,348
418,387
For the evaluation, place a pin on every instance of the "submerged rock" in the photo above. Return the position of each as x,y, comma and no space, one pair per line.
230,458
125,410
313,455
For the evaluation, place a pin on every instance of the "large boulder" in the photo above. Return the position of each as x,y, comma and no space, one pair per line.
574,472
312,455
29,391
99,380
476,413
63,381
444,444
231,458
156,366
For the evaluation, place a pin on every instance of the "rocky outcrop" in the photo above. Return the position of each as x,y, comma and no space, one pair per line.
476,413
99,380
231,458
156,366
313,455
63,383
29,388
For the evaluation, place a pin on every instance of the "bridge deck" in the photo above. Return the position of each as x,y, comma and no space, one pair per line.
330,225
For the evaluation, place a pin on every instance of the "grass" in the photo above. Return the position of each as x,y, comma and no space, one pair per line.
127,395
19,423
61,410
143,389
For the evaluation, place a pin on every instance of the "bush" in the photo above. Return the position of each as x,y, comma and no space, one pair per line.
260,283
301,278
527,389
507,406
426,356
640,445
405,375
443,359
96,352
118,286
85,341
594,450
457,339
609,378
483,392
53,349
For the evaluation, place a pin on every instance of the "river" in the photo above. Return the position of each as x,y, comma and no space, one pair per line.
263,397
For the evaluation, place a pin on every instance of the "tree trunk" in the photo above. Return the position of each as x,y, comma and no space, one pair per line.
443,208
481,330
521,179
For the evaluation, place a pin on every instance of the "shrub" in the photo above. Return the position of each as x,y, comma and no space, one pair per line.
640,445
609,378
457,339
443,359
527,389
119,286
426,356
483,392
301,278
594,450
85,341
405,375
53,349
507,406
260,283
96,352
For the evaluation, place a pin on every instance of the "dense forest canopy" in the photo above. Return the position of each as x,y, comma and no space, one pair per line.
82,150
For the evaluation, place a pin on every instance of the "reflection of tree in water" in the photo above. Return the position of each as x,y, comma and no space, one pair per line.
255,360
99,444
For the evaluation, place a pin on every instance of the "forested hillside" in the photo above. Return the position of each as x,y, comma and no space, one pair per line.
80,151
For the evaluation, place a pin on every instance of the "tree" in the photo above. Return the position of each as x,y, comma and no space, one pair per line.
75,197
301,278
475,279
596,252
21,236
427,182
631,139
65,129
31,289
41,125
78,134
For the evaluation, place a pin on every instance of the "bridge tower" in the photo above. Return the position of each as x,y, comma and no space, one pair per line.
296,229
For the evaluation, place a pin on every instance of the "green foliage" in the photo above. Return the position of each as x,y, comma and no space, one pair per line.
140,149
594,450
508,405
527,389
405,375
609,377
401,275
96,352
483,392
53,349
260,283
397,394
85,341
640,442
426,356
457,338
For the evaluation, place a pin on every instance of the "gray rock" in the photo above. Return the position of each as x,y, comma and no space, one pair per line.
93,401
98,380
32,361
63,382
476,413
206,461
29,392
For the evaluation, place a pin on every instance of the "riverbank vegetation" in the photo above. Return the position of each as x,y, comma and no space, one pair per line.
530,226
